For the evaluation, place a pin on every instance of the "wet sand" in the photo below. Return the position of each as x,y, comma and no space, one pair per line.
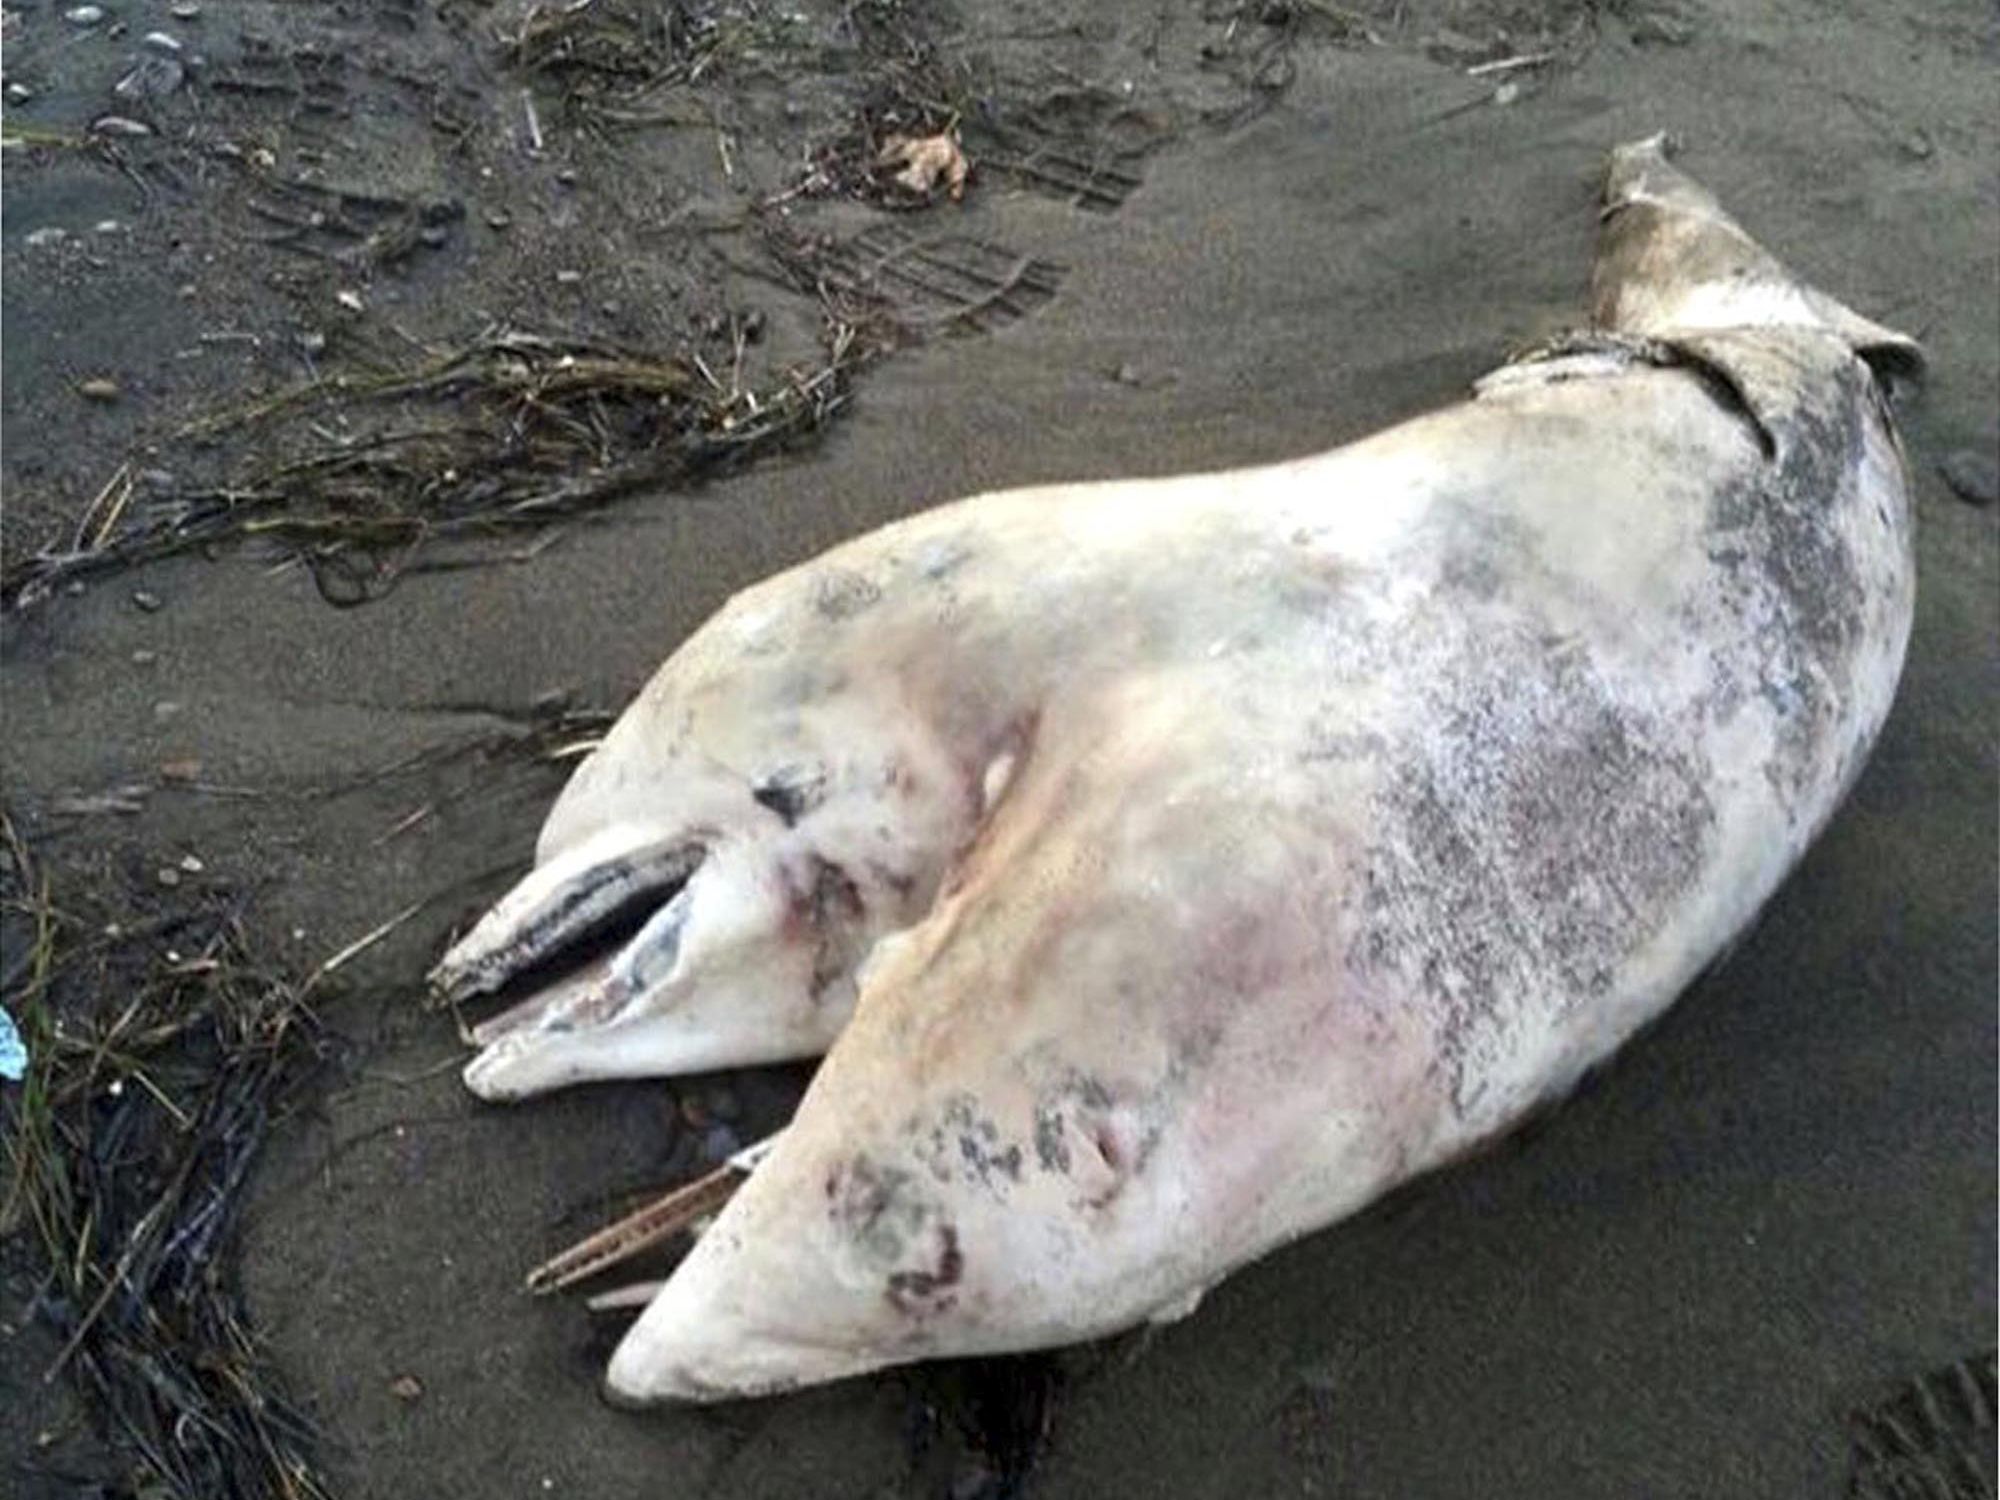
1777,1204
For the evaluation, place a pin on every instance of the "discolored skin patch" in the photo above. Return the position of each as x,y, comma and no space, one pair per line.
916,1293
879,1208
967,1144
826,913
1534,842
841,594
1790,581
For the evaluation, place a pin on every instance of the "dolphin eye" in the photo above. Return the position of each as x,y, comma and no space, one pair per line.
791,793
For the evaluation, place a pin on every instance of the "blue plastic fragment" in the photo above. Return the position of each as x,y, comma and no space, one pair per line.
13,1055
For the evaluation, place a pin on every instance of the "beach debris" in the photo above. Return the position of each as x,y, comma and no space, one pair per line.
162,41
925,162
159,1048
184,10
48,234
84,15
167,876
99,388
146,601
511,431
1510,64
19,93
13,1051
406,1388
130,798
653,1224
1973,474
534,122
350,299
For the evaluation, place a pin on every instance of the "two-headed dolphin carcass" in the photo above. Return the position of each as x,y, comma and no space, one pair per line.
1169,868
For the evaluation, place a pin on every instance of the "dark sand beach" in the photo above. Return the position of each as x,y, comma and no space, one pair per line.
1775,1208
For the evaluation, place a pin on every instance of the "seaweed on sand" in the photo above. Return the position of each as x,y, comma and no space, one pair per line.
356,474
160,1054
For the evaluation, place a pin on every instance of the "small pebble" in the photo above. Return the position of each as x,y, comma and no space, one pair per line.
498,219
435,235
180,770
184,10
84,15
108,226
166,709
1507,93
568,278
144,658
719,1143
351,300
19,93
160,481
1126,374
48,235
191,863
1658,29
406,1388
99,389
168,876
146,600
312,341
161,41
119,125
1973,476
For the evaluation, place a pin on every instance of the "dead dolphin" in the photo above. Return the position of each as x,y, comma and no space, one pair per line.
1199,858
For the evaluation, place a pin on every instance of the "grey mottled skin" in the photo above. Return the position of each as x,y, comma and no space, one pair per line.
1209,855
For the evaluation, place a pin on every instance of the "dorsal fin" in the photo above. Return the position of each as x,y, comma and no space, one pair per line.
1672,265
